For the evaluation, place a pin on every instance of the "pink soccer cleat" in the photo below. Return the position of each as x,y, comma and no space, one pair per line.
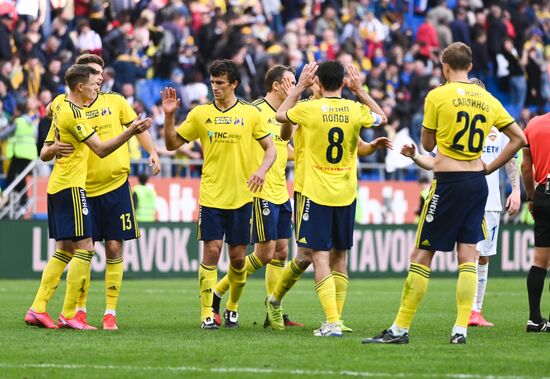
41,320
109,322
81,316
476,319
74,323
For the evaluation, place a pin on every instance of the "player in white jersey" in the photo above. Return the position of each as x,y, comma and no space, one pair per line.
494,143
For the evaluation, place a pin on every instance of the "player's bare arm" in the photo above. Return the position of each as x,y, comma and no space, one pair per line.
307,79
424,161
256,181
528,176
146,141
170,103
513,202
368,148
517,141
56,149
355,84
290,150
102,149
287,129
428,139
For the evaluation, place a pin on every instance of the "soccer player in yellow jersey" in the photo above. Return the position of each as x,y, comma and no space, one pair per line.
331,127
228,128
457,118
69,218
296,267
107,188
271,209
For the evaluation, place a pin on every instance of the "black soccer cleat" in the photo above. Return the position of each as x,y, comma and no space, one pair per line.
216,300
231,319
458,339
541,327
388,337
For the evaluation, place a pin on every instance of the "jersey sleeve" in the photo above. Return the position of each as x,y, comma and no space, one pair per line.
368,119
50,138
81,130
297,114
430,114
126,112
189,129
260,131
502,117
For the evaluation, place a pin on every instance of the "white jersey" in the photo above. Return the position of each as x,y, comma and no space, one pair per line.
494,143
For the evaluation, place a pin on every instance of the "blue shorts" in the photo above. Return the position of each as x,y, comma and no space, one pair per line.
114,216
69,215
270,221
234,224
321,227
453,211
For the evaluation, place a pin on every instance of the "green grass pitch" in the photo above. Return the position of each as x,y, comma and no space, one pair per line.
159,336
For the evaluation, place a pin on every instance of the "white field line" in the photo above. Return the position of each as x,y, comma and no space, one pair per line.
252,370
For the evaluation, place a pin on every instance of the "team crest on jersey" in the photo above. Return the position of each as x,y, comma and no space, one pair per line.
239,121
105,111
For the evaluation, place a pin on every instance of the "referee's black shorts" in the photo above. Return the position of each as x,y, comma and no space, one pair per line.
541,215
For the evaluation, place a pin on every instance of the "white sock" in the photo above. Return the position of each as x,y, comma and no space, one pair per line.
274,301
482,271
81,309
110,312
459,330
397,330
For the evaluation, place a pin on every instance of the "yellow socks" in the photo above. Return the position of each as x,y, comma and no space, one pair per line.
237,280
414,290
341,282
81,303
466,287
113,281
290,275
327,295
273,272
76,280
50,279
252,264
207,281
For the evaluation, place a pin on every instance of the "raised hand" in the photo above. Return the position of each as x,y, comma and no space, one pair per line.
287,85
353,80
408,150
170,103
307,77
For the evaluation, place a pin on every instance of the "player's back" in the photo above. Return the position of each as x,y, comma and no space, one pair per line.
108,114
69,125
461,115
330,132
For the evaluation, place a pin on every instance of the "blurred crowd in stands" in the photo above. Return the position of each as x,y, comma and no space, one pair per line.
148,44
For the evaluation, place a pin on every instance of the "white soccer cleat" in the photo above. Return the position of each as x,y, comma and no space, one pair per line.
329,329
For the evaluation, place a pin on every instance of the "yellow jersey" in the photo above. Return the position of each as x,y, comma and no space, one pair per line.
331,129
108,114
70,126
274,189
227,138
461,115
299,171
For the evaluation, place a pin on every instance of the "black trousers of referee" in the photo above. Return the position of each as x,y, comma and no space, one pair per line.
17,166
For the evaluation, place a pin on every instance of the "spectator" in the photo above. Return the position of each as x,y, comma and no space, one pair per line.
108,79
88,41
460,28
